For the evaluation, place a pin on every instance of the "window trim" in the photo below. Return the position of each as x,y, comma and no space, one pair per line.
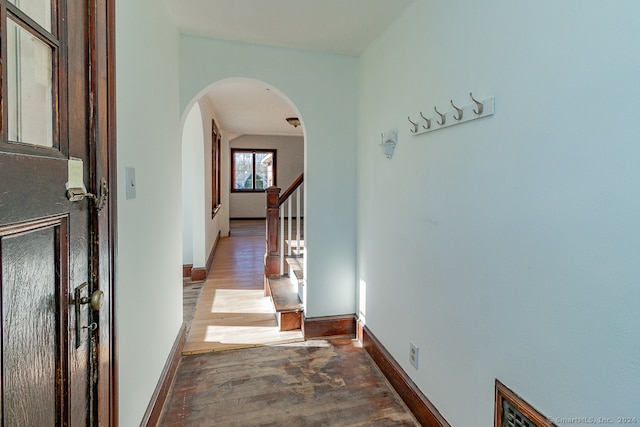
216,201
272,151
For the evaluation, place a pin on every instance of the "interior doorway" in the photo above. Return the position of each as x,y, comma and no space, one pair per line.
236,142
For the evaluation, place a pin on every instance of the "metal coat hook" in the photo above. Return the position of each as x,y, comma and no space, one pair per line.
459,117
478,103
428,126
415,125
427,122
442,117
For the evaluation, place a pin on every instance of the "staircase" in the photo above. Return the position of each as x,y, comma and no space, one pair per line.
284,258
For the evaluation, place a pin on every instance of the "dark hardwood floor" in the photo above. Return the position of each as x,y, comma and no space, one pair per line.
191,292
247,227
256,227
312,383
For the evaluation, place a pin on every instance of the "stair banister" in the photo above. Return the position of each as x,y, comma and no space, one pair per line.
274,257
298,220
289,191
281,241
289,214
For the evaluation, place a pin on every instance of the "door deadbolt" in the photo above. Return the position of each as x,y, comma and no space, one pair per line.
96,301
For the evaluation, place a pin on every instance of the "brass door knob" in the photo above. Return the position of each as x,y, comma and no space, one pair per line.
96,301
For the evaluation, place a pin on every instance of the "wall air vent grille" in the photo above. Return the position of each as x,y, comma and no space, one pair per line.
512,417
513,411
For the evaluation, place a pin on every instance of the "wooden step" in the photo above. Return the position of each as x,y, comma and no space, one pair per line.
295,271
294,264
301,284
296,250
284,295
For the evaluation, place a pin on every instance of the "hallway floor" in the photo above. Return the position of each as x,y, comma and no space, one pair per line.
232,311
313,383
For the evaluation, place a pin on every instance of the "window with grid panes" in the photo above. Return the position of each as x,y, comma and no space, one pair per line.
252,170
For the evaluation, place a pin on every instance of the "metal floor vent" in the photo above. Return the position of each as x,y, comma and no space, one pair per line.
512,411
512,417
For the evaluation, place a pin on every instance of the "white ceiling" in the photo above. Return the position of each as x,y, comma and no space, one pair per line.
332,26
243,106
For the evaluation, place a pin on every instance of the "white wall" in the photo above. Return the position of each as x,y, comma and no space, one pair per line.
149,275
193,189
324,89
507,247
289,166
219,224
199,229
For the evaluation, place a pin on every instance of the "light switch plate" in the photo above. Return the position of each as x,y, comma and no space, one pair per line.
130,180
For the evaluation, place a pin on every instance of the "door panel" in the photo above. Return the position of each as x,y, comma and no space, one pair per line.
20,176
52,362
31,295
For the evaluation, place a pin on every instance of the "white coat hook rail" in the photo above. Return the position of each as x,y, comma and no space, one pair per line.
457,115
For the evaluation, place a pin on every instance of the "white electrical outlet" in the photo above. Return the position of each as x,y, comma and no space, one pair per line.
413,354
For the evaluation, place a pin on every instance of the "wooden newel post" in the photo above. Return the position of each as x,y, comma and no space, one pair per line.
272,256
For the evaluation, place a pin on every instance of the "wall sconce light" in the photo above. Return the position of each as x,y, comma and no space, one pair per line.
293,121
389,142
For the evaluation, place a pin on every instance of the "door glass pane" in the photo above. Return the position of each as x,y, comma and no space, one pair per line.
30,87
38,10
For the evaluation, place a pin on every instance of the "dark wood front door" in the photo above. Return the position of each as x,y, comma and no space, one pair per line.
54,252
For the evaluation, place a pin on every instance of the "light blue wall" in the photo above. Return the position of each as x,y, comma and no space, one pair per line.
193,194
323,88
507,247
521,223
149,279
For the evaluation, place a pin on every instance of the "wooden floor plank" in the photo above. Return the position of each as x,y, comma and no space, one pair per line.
191,292
232,311
284,294
314,383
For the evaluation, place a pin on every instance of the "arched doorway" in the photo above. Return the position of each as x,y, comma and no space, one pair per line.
234,126
249,114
